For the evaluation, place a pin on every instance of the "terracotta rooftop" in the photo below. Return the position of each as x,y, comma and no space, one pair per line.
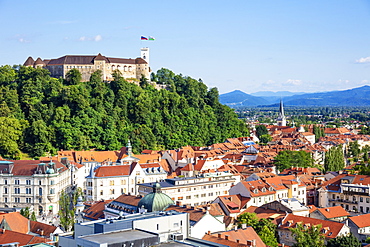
246,236
333,212
7,236
361,220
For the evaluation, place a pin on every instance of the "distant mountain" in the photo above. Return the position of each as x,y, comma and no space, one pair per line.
352,97
239,98
275,94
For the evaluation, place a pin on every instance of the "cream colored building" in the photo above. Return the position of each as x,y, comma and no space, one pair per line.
128,68
196,190
34,184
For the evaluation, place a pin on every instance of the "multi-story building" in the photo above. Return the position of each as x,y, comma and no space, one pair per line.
194,191
33,184
351,192
109,182
129,68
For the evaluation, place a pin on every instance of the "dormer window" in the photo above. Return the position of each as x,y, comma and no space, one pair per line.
255,191
263,189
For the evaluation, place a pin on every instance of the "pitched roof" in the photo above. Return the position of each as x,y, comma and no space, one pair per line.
15,221
128,199
195,214
96,210
333,228
113,171
29,167
41,228
333,212
7,236
361,220
29,62
245,236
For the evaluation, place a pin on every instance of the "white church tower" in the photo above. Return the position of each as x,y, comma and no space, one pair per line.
145,54
281,120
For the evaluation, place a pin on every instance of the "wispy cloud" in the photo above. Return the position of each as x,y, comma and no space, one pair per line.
363,60
96,38
291,82
23,40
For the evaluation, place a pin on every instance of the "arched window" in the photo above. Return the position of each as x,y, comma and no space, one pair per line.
129,68
40,191
113,67
125,68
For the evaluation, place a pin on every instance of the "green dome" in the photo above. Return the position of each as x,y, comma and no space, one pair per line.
156,200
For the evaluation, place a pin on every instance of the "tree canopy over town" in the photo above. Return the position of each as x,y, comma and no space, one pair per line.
40,114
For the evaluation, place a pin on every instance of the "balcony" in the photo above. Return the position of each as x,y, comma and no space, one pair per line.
355,193
343,201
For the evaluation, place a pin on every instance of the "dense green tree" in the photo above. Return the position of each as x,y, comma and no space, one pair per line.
265,138
261,130
33,216
287,159
25,212
45,114
344,241
334,159
263,227
66,211
308,237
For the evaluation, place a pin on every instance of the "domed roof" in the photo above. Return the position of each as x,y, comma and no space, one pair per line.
156,200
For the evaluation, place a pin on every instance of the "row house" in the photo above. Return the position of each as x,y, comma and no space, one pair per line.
352,192
336,213
109,182
329,229
196,190
360,226
33,183
271,189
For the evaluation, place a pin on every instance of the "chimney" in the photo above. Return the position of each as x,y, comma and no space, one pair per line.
244,226
219,235
227,237
209,232
238,240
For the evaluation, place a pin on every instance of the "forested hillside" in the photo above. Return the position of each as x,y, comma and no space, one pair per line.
41,115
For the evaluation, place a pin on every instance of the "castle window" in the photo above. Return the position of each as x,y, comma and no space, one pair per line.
125,68
129,68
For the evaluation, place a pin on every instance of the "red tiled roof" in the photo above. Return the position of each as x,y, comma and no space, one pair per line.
333,212
361,220
243,235
7,236
195,214
113,171
16,221
333,227
41,228
96,211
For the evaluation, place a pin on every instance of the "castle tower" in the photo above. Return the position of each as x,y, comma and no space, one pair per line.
145,54
281,120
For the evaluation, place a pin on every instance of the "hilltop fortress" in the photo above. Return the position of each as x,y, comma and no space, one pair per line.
129,68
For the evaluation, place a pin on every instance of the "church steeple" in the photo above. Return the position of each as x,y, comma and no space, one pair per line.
281,121
129,148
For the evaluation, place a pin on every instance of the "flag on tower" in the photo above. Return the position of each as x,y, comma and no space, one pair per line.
151,38
144,38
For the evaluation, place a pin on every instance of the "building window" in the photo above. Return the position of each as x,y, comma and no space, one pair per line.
361,199
28,182
180,198
28,191
40,182
52,191
5,190
367,200
16,181
17,200
40,200
40,191
5,181
101,192
111,183
17,190
112,191
51,182
5,199
188,197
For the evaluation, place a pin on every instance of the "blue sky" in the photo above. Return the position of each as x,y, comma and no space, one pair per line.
250,45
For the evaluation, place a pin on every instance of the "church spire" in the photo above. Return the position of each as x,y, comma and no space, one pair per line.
281,121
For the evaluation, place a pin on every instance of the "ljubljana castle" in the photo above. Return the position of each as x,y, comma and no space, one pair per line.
128,67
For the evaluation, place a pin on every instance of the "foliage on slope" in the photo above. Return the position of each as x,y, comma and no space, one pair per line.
40,114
